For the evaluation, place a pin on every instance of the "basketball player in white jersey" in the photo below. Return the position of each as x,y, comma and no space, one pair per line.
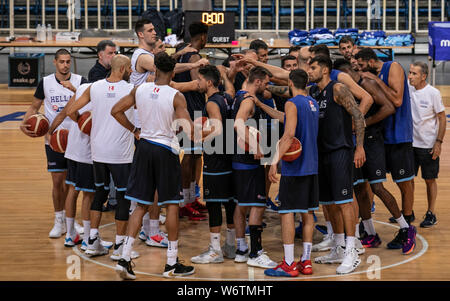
112,150
54,91
156,164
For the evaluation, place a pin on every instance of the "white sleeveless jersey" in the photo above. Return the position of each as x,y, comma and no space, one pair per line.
110,141
56,98
155,108
137,78
78,143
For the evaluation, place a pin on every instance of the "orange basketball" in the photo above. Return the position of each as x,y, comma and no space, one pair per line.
294,151
201,121
85,122
39,124
255,136
58,141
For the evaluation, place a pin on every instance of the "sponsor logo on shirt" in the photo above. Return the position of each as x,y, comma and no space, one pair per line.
57,109
111,88
313,107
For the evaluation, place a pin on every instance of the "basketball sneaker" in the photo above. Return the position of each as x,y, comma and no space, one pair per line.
71,242
373,207
429,220
84,246
350,262
336,255
79,228
162,219
157,240
117,252
59,228
197,191
359,247
209,256
283,270
261,261
199,207
322,229
125,269
410,243
326,244
271,206
399,239
106,244
305,267
178,269
229,251
371,241
241,256
142,235
192,214
95,248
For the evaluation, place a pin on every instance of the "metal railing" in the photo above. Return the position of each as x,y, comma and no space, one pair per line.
310,14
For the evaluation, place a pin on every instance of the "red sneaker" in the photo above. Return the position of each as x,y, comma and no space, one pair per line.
305,267
283,270
199,207
193,214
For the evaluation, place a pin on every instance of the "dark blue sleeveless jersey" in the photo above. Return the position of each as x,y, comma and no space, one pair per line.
334,74
335,124
398,128
195,101
306,131
218,161
246,158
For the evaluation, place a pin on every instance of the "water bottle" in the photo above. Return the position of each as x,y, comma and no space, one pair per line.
42,33
38,32
49,33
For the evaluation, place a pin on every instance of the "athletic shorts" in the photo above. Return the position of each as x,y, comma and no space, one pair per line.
188,145
56,162
217,186
80,175
249,184
424,160
374,169
119,173
400,161
299,194
155,167
336,177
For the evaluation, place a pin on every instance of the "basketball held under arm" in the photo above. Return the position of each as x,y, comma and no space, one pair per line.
289,131
32,109
215,120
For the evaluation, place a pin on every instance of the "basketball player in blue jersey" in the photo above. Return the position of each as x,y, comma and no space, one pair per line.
248,173
299,187
191,164
156,165
217,170
398,137
54,91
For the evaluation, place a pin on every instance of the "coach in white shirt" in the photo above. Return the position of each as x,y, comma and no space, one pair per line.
429,121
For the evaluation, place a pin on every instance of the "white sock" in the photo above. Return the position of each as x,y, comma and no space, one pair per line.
231,236
70,226
339,239
120,238
146,223
369,227
93,233
242,244
289,253
307,246
87,230
154,227
357,230
215,240
402,222
59,214
329,228
127,248
350,242
192,192
172,252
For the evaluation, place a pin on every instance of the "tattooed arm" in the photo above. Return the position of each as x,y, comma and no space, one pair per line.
282,91
344,97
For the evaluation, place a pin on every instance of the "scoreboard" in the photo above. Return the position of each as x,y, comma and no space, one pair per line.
221,25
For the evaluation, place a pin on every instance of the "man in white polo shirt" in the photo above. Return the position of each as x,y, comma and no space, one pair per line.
429,122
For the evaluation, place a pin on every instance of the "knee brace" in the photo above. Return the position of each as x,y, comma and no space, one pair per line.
215,214
100,197
123,207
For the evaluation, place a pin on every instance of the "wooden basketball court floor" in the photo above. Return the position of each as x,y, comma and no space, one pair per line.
26,217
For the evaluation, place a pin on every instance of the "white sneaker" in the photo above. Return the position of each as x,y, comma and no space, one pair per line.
350,263
117,253
157,240
262,261
142,235
59,228
84,245
162,219
79,228
209,256
71,241
229,251
336,255
106,244
326,244
95,248
359,247
241,256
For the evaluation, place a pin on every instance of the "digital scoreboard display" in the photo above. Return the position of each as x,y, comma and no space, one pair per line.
221,25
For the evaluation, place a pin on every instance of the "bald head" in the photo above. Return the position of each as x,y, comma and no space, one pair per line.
121,65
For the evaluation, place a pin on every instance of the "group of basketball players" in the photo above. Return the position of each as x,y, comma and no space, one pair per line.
352,117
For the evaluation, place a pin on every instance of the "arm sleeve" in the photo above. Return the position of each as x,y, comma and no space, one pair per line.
39,93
